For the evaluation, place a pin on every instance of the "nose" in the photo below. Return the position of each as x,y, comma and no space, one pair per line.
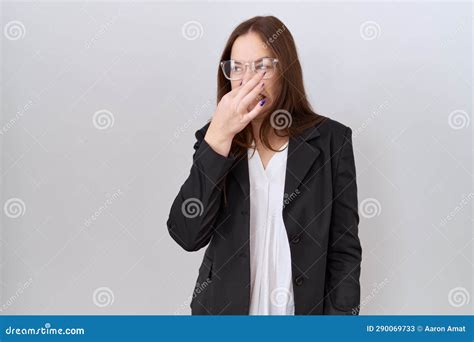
247,75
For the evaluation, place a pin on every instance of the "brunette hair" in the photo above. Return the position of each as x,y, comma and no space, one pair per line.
290,105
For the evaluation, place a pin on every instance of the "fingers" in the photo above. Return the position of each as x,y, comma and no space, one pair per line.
236,89
246,118
247,87
250,97
233,92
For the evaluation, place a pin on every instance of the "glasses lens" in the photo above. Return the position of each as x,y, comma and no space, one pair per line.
232,70
267,65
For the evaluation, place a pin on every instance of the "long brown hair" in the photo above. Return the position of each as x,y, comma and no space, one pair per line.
292,113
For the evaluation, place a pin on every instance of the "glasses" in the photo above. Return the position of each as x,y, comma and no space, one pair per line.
235,70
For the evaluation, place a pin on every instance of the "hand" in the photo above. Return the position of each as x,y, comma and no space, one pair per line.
232,114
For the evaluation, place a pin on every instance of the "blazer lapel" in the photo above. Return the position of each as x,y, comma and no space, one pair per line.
301,155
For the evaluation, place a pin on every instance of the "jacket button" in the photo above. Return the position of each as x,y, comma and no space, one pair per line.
299,280
295,239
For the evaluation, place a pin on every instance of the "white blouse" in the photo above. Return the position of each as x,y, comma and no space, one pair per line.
271,291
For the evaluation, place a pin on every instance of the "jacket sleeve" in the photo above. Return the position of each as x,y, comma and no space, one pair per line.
342,287
197,204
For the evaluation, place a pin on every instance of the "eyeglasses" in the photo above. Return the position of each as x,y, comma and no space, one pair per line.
235,70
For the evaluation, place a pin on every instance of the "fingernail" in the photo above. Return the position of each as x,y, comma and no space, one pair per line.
262,102
262,85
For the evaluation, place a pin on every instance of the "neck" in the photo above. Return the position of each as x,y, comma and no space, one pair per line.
273,139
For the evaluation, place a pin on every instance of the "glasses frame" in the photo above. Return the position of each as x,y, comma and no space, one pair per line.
246,65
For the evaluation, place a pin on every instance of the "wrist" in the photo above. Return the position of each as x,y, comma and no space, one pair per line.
219,142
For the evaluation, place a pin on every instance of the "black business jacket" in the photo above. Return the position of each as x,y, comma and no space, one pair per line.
319,212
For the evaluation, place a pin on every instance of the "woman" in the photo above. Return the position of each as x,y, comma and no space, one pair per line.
272,190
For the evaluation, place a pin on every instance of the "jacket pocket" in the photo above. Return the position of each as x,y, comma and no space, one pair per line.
201,302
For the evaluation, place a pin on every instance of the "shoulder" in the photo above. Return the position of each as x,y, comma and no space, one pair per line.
328,129
330,133
333,129
335,139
